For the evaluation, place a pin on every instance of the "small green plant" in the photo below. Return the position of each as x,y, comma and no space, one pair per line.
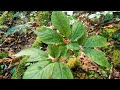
3,54
62,40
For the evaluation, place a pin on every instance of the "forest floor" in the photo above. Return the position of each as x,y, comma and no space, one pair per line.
12,44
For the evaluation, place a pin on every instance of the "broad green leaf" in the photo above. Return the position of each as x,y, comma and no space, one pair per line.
63,50
53,51
96,41
34,53
82,39
73,46
12,30
49,36
47,70
61,22
39,70
57,51
97,56
78,30
61,71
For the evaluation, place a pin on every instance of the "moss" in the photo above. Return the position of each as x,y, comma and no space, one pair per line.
36,43
108,32
2,39
20,69
40,17
79,73
3,55
72,62
43,18
111,31
3,17
116,57
39,28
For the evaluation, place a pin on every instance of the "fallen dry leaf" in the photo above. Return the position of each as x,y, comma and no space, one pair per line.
109,26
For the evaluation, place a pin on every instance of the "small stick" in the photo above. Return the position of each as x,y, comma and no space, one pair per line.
111,71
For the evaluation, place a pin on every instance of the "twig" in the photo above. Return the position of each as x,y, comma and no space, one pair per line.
111,72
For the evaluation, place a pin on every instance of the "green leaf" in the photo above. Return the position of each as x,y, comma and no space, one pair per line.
61,71
97,56
53,51
12,30
63,50
78,30
47,70
82,39
34,53
49,36
96,41
61,22
39,70
73,46
57,51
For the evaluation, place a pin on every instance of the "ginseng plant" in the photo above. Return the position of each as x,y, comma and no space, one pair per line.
62,40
